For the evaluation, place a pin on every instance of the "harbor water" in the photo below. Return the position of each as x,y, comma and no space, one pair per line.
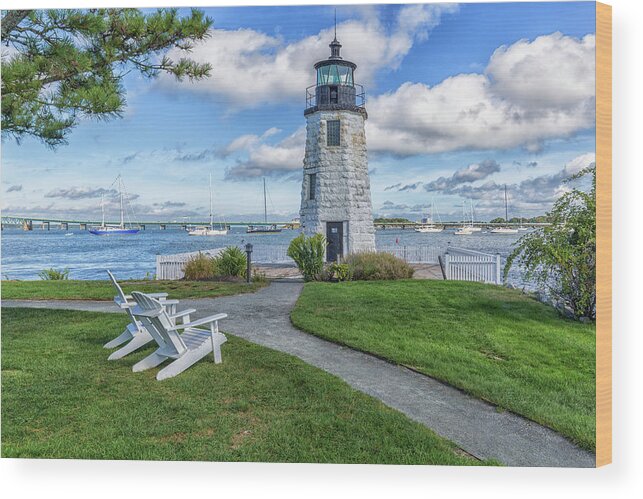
26,253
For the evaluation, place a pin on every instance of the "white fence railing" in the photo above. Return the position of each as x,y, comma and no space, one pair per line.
170,267
422,253
468,265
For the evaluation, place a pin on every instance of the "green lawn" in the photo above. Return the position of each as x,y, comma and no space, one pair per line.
61,398
495,343
103,290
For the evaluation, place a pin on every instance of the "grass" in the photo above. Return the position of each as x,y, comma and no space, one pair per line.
61,398
495,343
103,290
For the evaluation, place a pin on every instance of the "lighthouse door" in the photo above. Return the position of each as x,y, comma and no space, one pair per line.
334,240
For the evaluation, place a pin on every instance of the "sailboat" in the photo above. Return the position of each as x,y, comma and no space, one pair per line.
430,225
465,230
505,230
263,229
472,227
209,230
120,229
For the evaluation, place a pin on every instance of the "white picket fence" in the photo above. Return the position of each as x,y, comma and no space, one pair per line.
468,265
422,253
460,264
170,267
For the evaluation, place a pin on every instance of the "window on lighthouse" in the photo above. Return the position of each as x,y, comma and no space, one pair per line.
332,133
312,181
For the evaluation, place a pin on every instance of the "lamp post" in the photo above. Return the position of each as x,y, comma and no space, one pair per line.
248,262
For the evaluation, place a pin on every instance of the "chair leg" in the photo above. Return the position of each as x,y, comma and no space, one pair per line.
149,362
188,359
217,340
142,338
126,335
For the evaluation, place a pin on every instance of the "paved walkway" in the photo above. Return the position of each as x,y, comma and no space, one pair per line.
475,426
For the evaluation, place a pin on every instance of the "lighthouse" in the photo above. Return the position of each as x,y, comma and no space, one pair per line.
336,193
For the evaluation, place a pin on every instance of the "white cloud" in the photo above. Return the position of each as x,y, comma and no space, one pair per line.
250,68
535,194
248,141
471,173
265,159
530,92
553,71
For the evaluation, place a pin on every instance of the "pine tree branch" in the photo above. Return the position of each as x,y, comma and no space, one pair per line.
11,19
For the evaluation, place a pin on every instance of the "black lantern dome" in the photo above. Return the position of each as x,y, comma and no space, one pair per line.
335,88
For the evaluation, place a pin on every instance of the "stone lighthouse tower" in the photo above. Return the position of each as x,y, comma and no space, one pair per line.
336,193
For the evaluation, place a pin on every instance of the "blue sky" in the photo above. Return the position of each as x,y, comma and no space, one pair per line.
462,99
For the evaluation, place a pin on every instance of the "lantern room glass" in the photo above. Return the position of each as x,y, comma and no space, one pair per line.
335,74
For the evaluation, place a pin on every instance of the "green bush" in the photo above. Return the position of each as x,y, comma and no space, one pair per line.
373,266
308,253
54,275
200,268
341,271
231,262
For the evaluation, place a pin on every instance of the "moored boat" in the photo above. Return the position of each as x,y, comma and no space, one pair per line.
266,228
114,230
507,229
209,230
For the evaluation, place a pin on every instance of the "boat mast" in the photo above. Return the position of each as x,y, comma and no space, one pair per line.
471,206
506,209
265,206
211,202
120,190
102,208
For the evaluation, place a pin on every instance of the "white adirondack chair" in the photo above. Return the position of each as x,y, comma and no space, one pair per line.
135,333
187,348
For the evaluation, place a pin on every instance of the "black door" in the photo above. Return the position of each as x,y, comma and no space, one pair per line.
335,240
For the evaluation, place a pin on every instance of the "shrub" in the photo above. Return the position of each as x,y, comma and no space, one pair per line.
308,253
561,258
54,275
200,268
259,276
231,262
341,271
326,274
372,266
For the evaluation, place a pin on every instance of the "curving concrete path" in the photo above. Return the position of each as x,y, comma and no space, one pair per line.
475,426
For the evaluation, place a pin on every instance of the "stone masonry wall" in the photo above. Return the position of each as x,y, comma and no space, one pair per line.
342,191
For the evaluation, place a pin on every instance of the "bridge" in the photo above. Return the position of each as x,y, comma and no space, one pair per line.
414,225
31,222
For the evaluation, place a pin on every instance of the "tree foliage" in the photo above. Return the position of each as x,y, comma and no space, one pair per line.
64,65
561,258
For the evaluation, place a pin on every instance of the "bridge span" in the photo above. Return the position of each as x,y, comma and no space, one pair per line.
44,223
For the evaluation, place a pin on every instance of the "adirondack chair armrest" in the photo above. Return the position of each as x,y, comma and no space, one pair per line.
158,295
123,304
169,302
201,322
182,313
148,313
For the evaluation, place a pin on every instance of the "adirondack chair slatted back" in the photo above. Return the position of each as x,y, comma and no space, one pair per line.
160,326
121,295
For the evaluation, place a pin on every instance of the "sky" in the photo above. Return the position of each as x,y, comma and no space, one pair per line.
461,100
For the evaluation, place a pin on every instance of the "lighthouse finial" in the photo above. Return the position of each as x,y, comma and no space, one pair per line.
335,46
335,23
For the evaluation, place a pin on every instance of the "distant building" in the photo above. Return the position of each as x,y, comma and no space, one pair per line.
336,193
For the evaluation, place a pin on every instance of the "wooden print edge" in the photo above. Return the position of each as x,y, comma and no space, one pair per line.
603,234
